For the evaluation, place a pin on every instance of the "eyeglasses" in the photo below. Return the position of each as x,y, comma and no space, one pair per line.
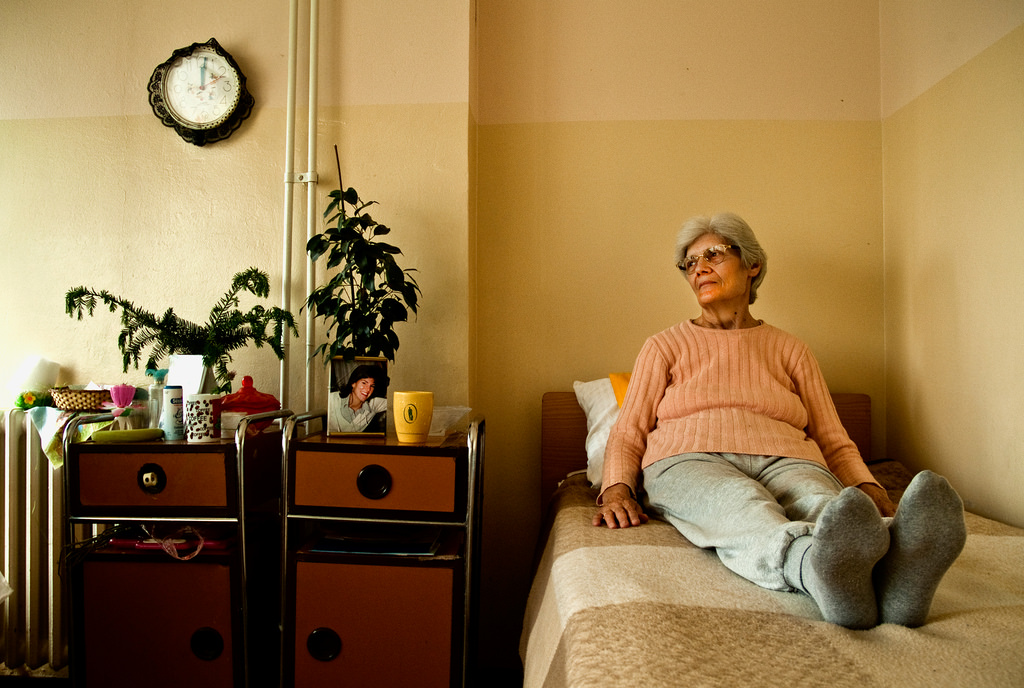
711,256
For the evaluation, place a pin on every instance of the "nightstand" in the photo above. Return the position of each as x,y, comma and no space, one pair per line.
380,549
145,615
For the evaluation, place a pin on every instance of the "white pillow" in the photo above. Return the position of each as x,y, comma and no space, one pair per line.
597,399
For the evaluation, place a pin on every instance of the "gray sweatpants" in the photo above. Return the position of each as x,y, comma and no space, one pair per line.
748,508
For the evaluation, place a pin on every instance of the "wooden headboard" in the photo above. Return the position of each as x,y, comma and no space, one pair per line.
563,434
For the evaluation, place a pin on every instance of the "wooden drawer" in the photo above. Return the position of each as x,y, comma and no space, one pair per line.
158,624
157,479
369,625
403,482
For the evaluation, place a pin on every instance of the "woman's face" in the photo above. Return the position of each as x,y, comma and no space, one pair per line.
723,283
362,389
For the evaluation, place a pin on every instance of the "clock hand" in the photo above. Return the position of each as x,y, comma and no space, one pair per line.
202,75
197,90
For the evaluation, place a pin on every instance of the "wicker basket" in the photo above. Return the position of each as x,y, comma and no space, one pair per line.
67,399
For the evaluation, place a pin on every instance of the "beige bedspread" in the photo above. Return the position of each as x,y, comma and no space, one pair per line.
644,607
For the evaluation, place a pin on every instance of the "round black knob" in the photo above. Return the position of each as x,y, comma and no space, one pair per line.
374,482
323,644
207,644
151,478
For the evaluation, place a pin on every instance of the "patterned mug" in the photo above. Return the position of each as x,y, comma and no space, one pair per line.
202,417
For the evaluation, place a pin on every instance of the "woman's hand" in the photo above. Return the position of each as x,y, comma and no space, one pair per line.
618,508
880,497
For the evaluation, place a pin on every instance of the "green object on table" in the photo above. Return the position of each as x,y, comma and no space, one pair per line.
136,435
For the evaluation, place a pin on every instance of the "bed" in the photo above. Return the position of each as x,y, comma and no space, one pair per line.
644,607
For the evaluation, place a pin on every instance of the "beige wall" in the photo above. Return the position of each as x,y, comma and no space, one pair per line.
96,192
577,224
586,60
924,41
535,159
954,212
602,128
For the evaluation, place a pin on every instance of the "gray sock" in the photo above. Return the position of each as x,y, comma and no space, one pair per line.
834,564
927,534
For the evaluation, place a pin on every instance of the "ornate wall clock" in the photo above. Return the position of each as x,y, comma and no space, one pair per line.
200,93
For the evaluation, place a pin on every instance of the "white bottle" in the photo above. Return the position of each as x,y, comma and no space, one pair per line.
172,413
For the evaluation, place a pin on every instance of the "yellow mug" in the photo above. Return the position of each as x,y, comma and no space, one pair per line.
413,412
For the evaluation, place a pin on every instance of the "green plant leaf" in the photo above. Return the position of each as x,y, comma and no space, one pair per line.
393,310
227,329
317,246
388,248
366,292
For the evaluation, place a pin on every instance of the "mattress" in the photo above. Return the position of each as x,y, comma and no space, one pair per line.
642,606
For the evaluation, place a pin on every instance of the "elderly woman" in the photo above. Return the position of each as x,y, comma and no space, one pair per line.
728,432
360,402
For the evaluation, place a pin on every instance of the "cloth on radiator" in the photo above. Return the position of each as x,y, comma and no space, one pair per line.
50,422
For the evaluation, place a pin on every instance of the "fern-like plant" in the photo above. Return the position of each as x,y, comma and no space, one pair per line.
228,329
370,292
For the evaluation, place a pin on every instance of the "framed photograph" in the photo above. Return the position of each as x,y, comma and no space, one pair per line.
357,398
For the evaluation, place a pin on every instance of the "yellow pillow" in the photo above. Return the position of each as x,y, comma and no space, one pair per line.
619,383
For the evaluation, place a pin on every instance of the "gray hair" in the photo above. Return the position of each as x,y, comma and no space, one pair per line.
734,230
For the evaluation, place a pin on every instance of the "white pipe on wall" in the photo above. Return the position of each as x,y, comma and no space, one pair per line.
289,171
309,177
311,207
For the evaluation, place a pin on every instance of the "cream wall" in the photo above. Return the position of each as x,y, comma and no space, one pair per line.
603,127
95,191
585,60
924,41
954,212
535,159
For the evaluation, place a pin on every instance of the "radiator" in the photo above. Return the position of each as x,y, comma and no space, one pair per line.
33,633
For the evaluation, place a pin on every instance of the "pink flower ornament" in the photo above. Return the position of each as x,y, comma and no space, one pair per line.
122,396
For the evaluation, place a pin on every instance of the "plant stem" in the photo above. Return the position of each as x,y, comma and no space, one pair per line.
337,161
341,187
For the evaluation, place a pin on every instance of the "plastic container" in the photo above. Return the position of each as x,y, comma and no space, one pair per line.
248,400
156,401
172,413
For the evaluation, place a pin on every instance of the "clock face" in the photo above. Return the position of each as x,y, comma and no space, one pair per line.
200,92
201,89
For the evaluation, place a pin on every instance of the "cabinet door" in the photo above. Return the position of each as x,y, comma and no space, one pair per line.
372,625
157,624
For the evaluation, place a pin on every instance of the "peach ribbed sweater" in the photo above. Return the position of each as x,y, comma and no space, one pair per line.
750,391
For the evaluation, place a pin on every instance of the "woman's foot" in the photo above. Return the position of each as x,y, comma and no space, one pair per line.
927,535
835,563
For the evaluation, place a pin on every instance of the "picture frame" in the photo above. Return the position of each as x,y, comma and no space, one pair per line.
357,397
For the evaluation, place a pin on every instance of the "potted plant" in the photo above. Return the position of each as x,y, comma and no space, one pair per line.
228,329
370,292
